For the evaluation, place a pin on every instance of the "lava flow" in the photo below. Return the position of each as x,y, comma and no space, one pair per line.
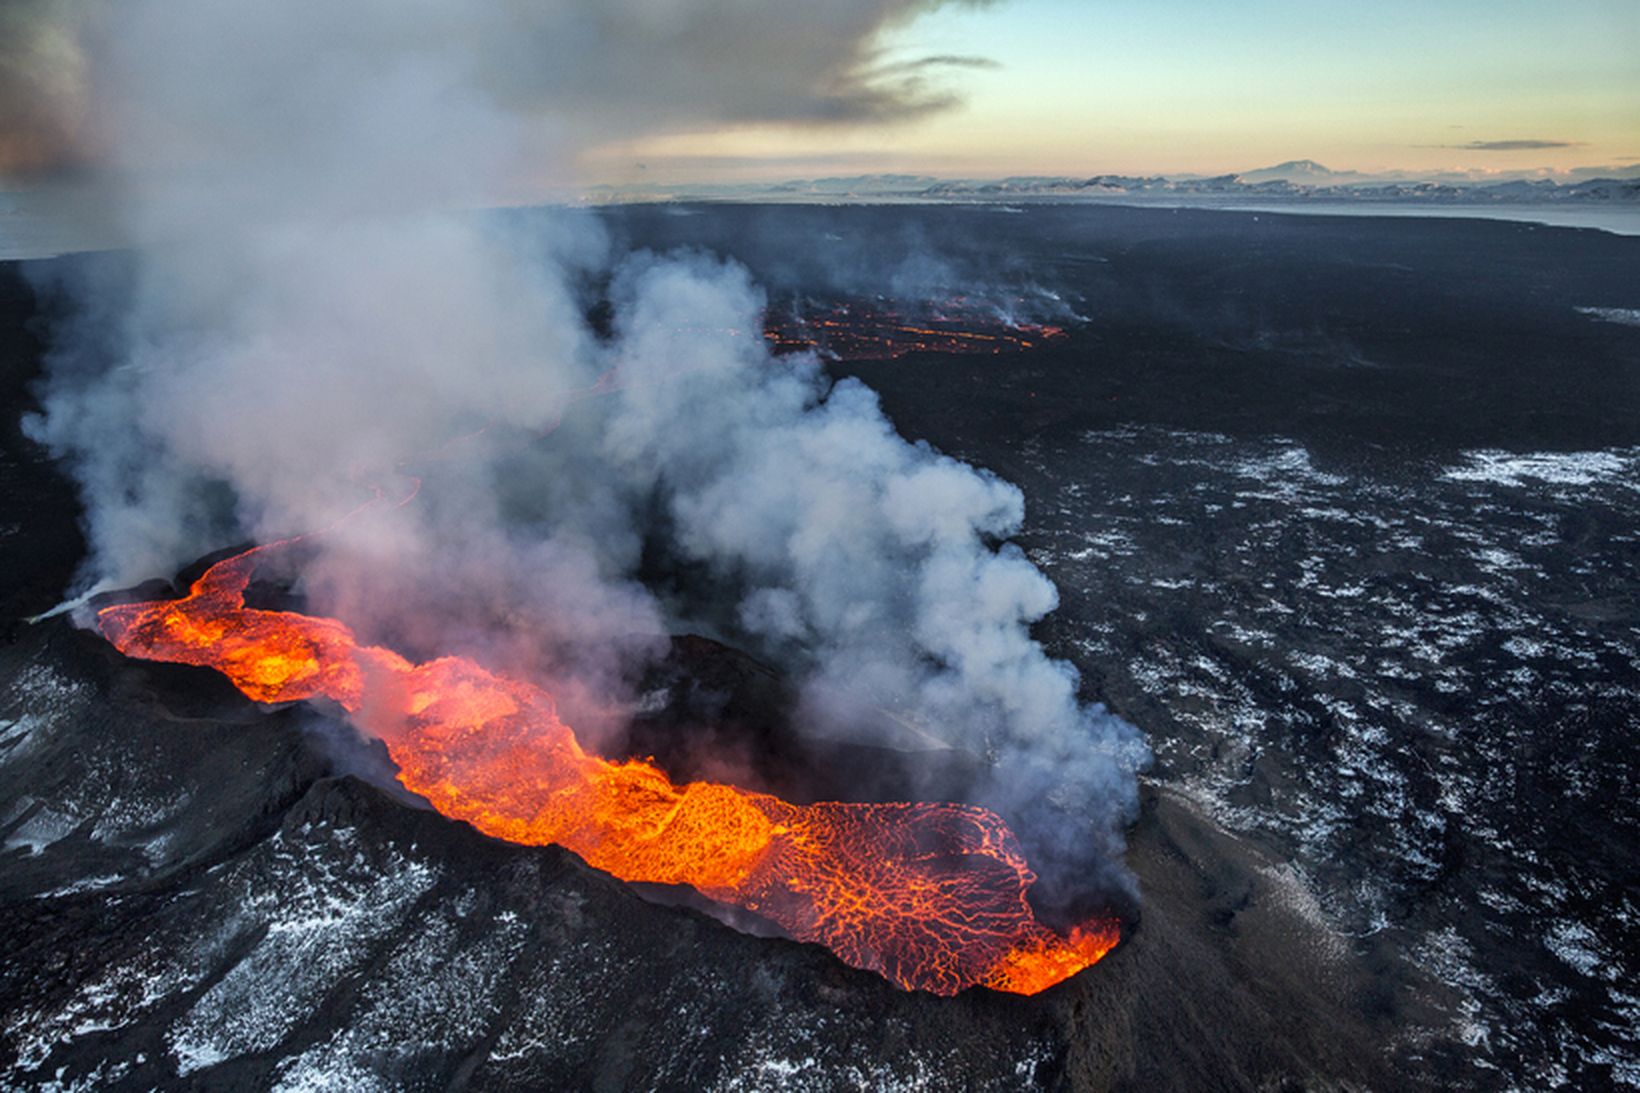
931,896
862,330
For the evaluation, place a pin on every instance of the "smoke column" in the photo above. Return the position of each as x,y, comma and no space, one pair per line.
311,315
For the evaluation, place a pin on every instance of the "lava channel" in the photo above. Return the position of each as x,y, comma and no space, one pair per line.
930,896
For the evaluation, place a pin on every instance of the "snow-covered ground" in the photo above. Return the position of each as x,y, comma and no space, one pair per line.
1417,681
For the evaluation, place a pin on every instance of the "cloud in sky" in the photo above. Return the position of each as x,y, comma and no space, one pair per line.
946,60
43,88
574,73
1518,145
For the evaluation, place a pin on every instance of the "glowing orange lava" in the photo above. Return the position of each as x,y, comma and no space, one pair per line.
931,896
865,330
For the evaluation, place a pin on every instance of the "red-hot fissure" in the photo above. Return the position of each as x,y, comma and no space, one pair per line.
931,896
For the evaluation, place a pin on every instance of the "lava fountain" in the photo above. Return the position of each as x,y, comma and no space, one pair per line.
931,896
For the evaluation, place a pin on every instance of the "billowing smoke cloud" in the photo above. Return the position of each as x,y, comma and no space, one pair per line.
43,91
861,555
308,325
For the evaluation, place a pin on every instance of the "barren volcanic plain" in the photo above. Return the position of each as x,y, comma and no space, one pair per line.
1344,514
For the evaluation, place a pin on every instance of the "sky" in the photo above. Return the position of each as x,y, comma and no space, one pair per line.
637,92
1191,86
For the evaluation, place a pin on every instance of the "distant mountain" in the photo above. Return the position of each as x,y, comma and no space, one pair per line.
1270,184
1297,181
856,184
1305,171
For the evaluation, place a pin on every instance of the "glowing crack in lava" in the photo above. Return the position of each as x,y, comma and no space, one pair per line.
870,330
931,896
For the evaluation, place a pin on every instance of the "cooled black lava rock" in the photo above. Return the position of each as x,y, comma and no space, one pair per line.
193,899
1342,513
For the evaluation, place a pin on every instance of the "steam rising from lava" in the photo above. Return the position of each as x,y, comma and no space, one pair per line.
306,325
932,896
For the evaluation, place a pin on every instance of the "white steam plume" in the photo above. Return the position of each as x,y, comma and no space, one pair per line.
306,323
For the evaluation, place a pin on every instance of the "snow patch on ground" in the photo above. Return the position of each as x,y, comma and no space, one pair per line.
1625,316
314,929
1521,469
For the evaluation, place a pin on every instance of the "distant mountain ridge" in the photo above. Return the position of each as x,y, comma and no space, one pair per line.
1301,180
1298,181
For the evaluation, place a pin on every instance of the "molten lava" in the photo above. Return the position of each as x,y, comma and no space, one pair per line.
931,896
860,330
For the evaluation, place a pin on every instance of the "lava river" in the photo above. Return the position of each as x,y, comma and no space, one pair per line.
931,896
